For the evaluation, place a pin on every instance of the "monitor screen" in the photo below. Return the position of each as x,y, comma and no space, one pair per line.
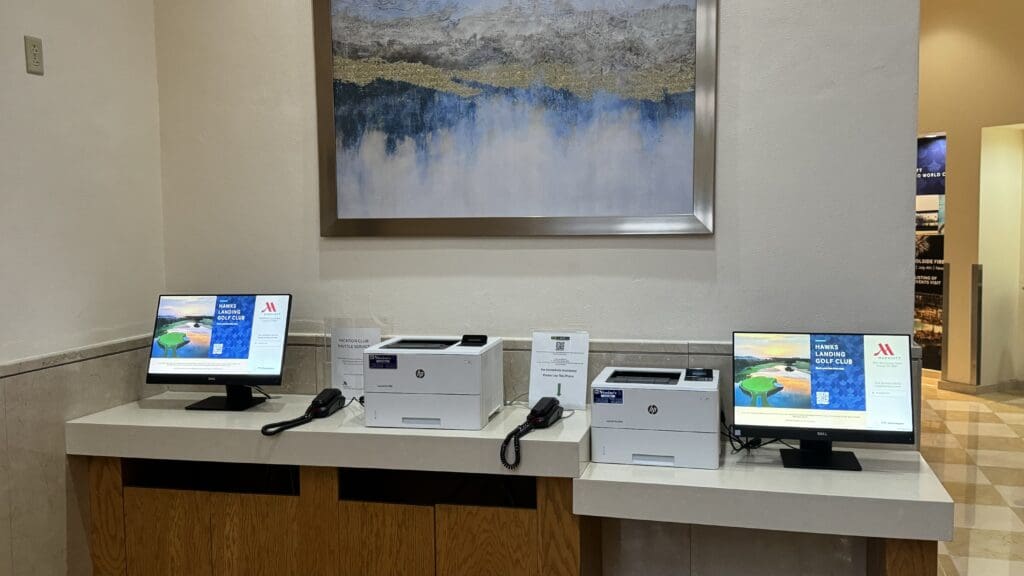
837,382
219,339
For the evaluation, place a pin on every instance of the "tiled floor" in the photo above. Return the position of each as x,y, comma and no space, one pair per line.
975,444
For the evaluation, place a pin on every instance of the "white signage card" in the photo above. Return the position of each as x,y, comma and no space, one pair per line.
558,367
347,345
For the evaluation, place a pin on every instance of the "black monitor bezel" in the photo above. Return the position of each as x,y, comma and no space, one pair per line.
220,379
828,434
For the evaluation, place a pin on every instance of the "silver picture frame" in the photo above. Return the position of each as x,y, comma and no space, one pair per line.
699,222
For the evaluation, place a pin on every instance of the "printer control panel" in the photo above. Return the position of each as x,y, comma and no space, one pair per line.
698,375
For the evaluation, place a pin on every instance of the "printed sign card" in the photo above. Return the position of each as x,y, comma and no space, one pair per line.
347,345
558,367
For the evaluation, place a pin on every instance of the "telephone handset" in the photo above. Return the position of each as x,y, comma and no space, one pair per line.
327,402
545,412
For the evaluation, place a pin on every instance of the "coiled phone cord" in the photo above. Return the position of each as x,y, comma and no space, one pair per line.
513,438
278,427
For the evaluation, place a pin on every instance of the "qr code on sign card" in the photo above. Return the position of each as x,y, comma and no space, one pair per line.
218,348
560,346
821,397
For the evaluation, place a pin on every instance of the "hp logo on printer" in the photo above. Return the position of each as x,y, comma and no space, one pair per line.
652,409
420,373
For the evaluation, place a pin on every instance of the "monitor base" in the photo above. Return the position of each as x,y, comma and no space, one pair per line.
818,455
239,398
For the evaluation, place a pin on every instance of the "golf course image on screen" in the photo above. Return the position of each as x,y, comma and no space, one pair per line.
183,327
772,371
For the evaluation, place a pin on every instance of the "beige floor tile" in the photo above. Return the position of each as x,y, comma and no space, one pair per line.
1010,417
940,441
1003,476
934,426
987,567
985,517
1007,408
1014,495
999,397
956,396
994,544
989,538
946,566
992,443
966,416
966,473
981,429
946,455
958,405
963,493
998,458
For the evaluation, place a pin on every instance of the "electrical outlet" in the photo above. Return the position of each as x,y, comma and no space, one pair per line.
34,55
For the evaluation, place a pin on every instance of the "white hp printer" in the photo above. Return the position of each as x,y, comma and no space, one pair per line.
433,382
655,417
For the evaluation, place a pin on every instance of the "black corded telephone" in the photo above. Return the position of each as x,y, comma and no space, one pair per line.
327,402
545,412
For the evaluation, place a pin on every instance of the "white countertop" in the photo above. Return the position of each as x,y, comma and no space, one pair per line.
896,496
161,428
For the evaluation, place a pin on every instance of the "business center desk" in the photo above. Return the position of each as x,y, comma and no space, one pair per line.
185,492
896,502
176,492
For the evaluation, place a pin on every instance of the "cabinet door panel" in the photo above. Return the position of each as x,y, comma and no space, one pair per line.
167,532
256,535
481,541
386,539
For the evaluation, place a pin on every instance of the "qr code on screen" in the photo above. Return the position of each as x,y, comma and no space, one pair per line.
218,348
560,346
821,397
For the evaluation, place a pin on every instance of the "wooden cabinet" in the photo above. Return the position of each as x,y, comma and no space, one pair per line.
486,541
106,510
167,532
386,539
167,518
255,535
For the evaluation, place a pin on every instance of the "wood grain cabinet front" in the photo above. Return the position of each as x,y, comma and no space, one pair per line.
386,539
159,518
167,532
483,541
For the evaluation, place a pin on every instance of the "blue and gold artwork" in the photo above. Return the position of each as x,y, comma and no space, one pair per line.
508,108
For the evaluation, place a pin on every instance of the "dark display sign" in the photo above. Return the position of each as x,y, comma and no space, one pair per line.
929,249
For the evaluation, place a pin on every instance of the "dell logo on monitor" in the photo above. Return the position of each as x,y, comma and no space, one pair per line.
823,434
211,379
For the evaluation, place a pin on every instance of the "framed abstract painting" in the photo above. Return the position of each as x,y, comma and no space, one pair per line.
516,117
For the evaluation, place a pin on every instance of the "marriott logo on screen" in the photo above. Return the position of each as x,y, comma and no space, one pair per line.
269,307
884,349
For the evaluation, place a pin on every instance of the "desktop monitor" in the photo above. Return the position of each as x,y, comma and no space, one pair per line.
820,388
232,340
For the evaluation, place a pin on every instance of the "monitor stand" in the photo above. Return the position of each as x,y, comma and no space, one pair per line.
239,398
818,454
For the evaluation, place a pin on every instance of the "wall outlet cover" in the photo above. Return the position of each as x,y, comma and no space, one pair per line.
34,55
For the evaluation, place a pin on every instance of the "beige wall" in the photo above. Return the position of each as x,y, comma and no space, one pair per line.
999,251
81,252
814,223
972,76
81,232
